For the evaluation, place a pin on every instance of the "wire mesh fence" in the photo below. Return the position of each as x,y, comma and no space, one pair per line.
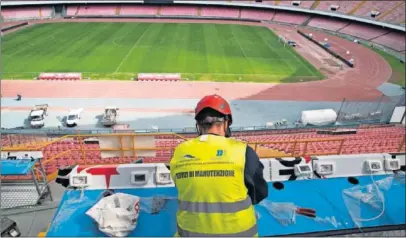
377,111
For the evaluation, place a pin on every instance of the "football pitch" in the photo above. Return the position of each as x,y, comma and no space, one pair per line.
211,52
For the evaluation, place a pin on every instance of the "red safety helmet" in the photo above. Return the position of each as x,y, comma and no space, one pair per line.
214,102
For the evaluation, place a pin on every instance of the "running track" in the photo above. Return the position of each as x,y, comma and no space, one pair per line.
359,83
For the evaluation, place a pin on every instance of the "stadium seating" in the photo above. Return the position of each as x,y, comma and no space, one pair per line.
263,15
363,31
72,10
90,10
366,140
291,18
327,23
393,40
397,16
127,10
22,13
178,11
220,12
46,12
19,140
390,11
380,6
344,6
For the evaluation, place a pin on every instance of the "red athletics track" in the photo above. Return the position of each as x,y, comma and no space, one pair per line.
353,84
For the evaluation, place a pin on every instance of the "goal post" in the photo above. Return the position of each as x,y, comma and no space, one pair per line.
283,40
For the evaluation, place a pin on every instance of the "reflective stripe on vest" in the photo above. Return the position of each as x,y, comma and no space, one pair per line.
217,207
248,233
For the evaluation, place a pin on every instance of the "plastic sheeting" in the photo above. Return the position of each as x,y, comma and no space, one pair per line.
285,214
116,215
155,204
318,117
370,198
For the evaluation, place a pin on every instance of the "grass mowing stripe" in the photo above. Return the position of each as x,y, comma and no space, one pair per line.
295,56
130,51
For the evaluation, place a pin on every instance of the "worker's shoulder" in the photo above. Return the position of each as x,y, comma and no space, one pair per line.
192,142
237,142
186,143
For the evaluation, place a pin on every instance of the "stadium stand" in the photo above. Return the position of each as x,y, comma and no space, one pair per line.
22,13
390,11
363,31
330,24
290,18
396,16
128,10
178,11
89,10
343,6
220,12
263,15
393,40
72,10
380,6
284,143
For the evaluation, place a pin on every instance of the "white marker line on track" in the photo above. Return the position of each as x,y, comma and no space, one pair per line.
130,51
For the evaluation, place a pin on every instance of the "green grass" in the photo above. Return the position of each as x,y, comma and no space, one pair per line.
398,69
120,51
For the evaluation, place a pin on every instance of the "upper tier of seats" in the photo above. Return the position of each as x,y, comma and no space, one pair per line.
389,11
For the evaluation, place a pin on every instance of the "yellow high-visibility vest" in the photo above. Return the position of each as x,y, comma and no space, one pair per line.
213,201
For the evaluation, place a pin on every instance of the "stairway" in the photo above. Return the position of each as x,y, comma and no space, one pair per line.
40,12
118,9
357,7
199,11
159,11
390,11
77,11
307,21
315,4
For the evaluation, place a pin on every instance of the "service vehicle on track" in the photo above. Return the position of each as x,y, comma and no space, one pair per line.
73,117
110,116
37,116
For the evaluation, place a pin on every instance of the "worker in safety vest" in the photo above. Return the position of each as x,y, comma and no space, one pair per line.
218,179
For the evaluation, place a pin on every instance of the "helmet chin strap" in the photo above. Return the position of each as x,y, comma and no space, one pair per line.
228,132
199,133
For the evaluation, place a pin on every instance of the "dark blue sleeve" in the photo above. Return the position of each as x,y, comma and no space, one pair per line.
254,177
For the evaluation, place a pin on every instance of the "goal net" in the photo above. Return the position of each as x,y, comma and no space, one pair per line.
283,40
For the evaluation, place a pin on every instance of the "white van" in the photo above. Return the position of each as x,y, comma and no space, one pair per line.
73,117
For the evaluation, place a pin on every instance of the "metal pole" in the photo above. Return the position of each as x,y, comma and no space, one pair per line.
46,179
380,102
402,144
34,179
121,146
339,111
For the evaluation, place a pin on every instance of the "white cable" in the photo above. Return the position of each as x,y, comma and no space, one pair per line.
383,203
